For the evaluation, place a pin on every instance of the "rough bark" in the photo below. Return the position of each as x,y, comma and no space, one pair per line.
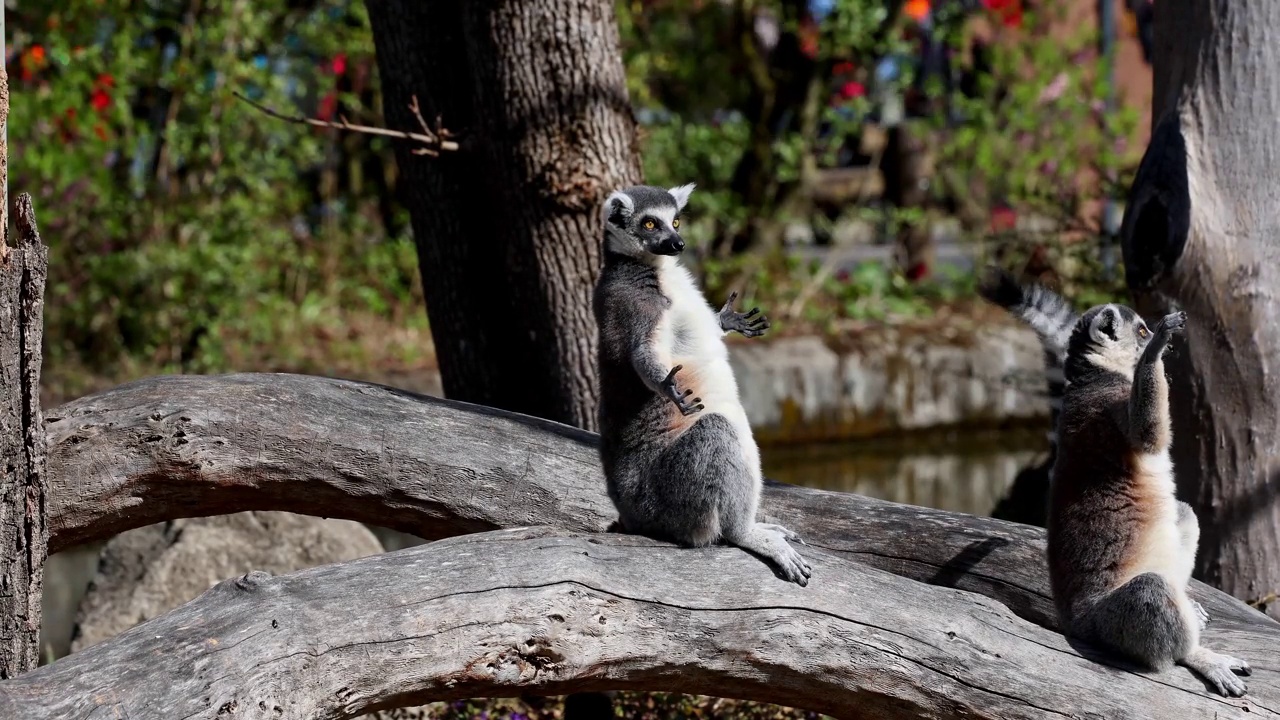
177,446
1216,254
547,611
507,229
23,533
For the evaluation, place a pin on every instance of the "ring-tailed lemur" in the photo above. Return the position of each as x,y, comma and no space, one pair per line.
1121,545
678,453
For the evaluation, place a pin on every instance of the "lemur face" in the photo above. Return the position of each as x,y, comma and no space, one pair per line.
644,220
1111,337
1117,326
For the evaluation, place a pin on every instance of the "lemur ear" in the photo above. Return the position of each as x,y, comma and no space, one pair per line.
681,194
1104,324
618,204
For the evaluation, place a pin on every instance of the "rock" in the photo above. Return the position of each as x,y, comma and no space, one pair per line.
146,572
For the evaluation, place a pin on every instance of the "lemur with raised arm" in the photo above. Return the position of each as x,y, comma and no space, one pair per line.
1121,545
679,457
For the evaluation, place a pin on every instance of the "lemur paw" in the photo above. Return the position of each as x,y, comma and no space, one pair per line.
786,534
1202,616
791,564
1173,323
1238,666
1223,678
746,323
686,406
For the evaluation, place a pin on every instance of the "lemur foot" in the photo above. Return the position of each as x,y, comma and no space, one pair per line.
687,407
1202,616
786,534
742,322
770,542
1219,671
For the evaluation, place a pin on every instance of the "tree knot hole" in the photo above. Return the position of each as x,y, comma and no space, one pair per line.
254,581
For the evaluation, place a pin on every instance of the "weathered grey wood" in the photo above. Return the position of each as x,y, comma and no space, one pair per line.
1202,229
545,611
185,446
23,534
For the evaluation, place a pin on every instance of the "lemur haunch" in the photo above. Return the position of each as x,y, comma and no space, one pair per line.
1121,545
678,453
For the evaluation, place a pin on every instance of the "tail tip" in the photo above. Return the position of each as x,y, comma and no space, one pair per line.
1000,287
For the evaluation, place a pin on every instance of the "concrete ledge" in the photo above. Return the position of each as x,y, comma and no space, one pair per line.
891,380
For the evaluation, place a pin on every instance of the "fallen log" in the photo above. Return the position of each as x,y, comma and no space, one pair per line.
187,446
549,612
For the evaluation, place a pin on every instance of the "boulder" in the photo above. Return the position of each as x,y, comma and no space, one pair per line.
146,572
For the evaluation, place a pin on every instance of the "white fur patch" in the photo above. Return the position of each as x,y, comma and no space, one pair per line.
1118,359
665,214
695,338
681,194
1160,547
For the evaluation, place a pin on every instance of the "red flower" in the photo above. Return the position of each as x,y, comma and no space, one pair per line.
340,64
36,52
808,38
105,81
100,100
328,105
1008,11
1003,219
852,90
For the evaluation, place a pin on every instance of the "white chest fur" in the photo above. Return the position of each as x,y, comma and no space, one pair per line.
690,335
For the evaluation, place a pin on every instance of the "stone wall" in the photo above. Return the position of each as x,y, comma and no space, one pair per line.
894,381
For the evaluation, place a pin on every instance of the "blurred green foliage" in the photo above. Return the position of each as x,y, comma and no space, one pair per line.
186,228
1022,123
191,233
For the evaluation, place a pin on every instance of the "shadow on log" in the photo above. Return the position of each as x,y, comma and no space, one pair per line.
180,446
549,611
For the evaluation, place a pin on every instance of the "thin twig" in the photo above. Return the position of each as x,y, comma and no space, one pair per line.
433,140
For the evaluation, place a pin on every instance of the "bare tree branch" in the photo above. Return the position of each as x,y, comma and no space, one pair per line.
549,612
434,140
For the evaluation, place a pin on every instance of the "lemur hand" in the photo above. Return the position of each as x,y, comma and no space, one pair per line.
1169,325
742,322
687,407
1172,324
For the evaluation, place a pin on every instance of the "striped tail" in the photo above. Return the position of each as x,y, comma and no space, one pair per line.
1052,318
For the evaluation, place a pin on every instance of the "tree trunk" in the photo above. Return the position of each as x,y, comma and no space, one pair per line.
549,611
189,446
23,533
508,229
1217,256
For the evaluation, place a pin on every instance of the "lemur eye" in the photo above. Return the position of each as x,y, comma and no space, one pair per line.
675,223
649,225
1142,332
